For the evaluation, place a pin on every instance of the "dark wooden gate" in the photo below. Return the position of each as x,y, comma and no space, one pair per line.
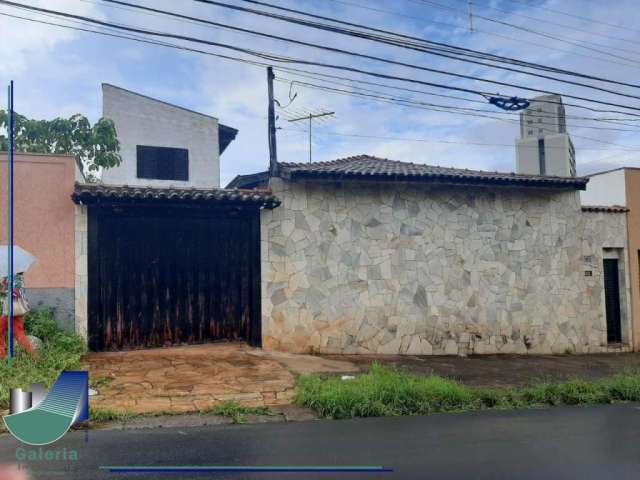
172,275
612,300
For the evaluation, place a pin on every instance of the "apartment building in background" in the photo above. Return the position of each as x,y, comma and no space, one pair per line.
545,147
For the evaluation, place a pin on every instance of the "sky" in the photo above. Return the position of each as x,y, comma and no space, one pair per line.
58,72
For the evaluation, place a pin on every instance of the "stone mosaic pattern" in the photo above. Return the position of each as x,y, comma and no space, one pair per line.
418,269
187,379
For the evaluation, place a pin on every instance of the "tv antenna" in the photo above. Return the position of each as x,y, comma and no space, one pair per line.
311,116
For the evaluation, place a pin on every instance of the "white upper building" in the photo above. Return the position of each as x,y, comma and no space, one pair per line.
163,145
544,147
609,188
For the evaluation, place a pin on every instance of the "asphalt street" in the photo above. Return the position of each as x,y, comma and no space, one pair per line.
557,443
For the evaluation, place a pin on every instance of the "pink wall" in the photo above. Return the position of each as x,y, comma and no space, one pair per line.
44,216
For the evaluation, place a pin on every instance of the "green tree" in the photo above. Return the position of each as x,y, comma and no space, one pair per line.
94,147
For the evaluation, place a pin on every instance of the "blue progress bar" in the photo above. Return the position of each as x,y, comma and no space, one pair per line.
240,469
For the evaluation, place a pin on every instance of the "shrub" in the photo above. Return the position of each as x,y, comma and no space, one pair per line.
61,350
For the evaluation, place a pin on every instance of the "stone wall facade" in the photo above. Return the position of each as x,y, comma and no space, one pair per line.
425,269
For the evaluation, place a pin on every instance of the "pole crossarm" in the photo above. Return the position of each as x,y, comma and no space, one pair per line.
312,116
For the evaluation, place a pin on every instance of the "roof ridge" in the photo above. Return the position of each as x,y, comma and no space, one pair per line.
372,167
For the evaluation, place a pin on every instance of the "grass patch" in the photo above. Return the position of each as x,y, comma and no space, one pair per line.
104,415
384,391
236,412
61,350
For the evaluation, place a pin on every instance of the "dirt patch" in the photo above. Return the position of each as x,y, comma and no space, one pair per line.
503,370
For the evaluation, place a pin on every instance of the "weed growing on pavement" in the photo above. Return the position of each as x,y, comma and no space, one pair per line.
237,412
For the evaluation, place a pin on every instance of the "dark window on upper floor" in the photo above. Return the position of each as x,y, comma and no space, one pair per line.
162,163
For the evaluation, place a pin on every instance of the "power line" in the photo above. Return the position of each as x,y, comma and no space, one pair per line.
429,140
485,32
136,38
372,57
571,27
324,76
409,102
446,109
579,17
346,52
283,59
254,63
439,46
526,29
479,54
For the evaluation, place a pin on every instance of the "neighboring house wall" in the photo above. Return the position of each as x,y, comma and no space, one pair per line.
622,187
384,268
606,189
144,121
44,226
632,178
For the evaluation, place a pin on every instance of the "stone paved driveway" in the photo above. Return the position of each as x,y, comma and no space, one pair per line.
191,378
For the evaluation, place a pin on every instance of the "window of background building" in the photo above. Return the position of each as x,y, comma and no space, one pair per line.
541,157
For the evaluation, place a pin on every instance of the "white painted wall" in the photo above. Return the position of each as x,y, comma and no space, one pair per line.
527,156
141,120
558,155
605,189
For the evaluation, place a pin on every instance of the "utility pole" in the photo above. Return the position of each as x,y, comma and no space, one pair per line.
10,233
273,154
310,117
470,6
